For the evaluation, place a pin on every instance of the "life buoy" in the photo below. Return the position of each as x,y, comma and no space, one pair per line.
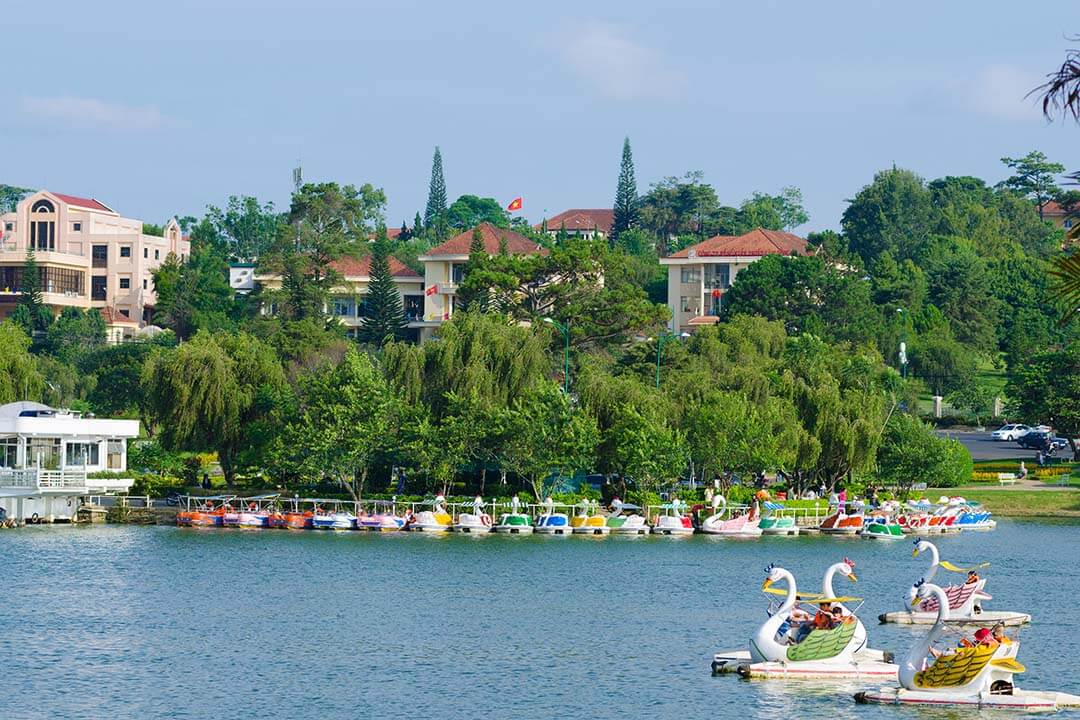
35,520
485,519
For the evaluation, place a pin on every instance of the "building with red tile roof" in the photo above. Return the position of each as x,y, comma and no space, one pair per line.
590,224
88,255
444,267
699,275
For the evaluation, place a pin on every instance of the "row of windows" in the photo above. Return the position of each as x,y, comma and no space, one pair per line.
53,280
715,275
45,453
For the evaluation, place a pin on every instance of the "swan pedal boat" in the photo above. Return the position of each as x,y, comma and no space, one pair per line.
673,522
514,524
839,653
745,525
965,601
589,525
552,524
977,676
473,523
630,523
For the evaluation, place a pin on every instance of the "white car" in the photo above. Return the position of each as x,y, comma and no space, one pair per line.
1010,432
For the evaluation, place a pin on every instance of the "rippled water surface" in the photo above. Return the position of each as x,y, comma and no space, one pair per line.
186,623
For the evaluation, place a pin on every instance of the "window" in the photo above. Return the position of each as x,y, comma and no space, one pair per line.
718,276
99,256
157,254
144,284
43,206
43,452
125,283
691,275
125,313
457,273
81,454
115,457
53,280
76,227
9,451
724,275
361,308
343,307
125,251
98,287
9,227
1068,223
145,253
684,303
414,307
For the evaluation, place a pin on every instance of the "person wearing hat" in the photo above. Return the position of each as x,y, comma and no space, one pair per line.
983,636
973,577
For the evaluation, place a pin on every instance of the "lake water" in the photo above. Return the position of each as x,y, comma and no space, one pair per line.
115,621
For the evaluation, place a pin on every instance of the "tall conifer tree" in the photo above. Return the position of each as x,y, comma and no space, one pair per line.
385,319
38,315
435,212
626,197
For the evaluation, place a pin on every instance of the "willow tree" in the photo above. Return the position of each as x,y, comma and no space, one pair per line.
212,394
19,375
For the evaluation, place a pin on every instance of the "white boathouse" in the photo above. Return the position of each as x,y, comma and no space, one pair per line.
47,457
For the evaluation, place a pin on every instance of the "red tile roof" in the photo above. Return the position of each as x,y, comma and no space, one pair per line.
352,267
393,232
81,202
516,243
1054,210
112,316
755,243
582,220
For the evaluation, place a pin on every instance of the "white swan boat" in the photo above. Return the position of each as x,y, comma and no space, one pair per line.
746,525
550,522
436,520
673,522
626,520
514,522
965,600
837,653
477,522
978,676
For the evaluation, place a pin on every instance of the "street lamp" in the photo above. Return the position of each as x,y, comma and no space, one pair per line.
660,340
565,330
902,356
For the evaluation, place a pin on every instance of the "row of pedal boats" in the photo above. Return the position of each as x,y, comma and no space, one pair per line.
936,669
890,521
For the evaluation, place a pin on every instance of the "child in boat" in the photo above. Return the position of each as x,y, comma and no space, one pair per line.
973,577
998,632
983,636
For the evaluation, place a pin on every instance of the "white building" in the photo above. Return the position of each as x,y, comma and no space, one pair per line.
48,455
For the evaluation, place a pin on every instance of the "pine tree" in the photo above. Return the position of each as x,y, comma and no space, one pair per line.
472,297
417,225
405,233
626,197
385,320
476,245
30,295
435,212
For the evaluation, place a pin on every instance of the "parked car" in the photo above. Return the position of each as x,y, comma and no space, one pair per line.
1013,431
1037,439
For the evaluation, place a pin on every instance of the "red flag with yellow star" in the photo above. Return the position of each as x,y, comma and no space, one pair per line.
515,204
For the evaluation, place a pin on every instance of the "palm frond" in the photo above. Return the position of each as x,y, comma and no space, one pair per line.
1066,288
1061,91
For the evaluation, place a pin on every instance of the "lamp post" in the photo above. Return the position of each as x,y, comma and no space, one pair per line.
660,340
565,330
902,356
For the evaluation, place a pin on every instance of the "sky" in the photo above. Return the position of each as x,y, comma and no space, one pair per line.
162,108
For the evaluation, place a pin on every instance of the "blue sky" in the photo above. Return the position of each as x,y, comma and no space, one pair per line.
161,108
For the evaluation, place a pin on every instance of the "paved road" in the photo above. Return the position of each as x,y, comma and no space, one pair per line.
982,447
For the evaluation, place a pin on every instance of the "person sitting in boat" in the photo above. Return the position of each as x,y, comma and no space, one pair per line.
998,631
823,620
972,577
984,637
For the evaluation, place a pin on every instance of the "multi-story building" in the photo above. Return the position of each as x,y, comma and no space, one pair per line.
347,301
87,254
444,268
1060,217
699,275
587,224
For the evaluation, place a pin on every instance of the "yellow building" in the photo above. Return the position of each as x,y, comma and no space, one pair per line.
444,268
88,256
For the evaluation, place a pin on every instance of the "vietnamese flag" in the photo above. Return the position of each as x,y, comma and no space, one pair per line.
515,204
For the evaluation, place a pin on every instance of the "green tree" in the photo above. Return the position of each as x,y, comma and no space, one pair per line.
678,206
1046,389
893,213
74,332
941,362
626,197
210,393
469,211
385,319
728,431
193,295
19,375
342,424
246,226
10,196
1034,177
37,316
435,212
912,453
644,447
548,438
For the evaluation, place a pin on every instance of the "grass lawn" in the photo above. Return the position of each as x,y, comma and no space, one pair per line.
1009,502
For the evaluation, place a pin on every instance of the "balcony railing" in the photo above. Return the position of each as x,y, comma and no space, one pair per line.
42,479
